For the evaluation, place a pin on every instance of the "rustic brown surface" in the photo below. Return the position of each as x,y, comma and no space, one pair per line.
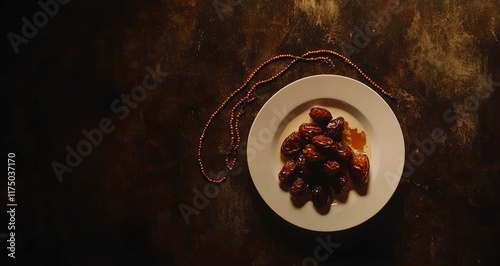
121,204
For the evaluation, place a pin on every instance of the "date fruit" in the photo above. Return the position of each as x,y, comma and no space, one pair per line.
329,168
309,130
312,154
288,171
321,196
292,144
320,115
319,163
343,151
335,128
324,143
302,165
299,186
359,169
340,183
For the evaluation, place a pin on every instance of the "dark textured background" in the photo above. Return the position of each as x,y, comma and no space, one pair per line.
120,205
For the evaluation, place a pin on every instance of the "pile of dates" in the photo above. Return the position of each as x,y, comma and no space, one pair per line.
318,161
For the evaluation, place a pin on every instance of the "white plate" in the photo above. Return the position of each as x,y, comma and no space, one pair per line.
363,109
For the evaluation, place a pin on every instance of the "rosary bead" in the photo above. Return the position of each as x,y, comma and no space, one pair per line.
235,115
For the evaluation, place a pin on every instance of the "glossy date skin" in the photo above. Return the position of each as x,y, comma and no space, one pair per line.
309,130
324,143
335,128
299,187
312,154
329,168
302,166
343,152
321,116
321,196
288,171
359,169
292,144
340,183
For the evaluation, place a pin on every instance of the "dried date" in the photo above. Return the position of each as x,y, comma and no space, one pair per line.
321,196
312,154
309,130
302,165
359,169
292,144
299,187
320,115
324,143
329,168
335,128
288,171
343,151
340,183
